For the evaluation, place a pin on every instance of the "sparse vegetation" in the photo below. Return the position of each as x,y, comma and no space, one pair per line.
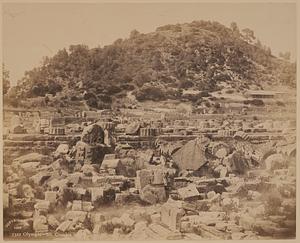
198,56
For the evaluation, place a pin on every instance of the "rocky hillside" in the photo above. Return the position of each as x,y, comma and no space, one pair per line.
202,56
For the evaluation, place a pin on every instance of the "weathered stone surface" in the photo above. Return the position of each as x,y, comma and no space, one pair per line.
127,220
153,194
155,218
40,177
143,178
210,194
51,196
34,157
5,200
42,205
40,224
274,161
28,191
30,168
96,193
62,149
52,222
247,221
171,215
83,234
64,226
158,177
87,206
97,218
77,205
189,192
78,215
254,195
92,134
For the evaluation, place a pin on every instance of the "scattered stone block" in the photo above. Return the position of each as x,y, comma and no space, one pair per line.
189,192
158,177
96,193
155,218
127,220
5,200
87,206
83,234
52,222
171,215
77,205
40,224
50,196
64,226
211,194
254,195
153,194
98,218
78,215
143,178
237,236
42,205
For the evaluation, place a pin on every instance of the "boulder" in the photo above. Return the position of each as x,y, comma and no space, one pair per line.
40,224
76,215
28,191
189,192
116,222
64,226
98,218
247,221
83,234
254,195
143,178
140,225
127,220
52,222
42,205
155,218
93,134
40,177
171,215
30,168
88,169
77,205
51,196
34,157
210,194
153,194
61,149
87,206
275,161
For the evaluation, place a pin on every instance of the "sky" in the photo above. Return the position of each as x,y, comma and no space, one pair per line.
31,31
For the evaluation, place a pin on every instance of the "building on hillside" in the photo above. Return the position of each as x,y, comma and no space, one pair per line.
57,126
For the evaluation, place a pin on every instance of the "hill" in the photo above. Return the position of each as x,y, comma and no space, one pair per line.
199,56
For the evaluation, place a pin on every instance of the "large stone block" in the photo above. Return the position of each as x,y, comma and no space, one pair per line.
153,194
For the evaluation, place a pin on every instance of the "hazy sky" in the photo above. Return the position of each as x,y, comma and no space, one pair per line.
31,31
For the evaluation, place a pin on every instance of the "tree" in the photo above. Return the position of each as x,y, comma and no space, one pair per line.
5,78
248,34
234,27
285,55
134,33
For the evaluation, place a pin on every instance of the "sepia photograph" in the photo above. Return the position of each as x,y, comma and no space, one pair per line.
150,120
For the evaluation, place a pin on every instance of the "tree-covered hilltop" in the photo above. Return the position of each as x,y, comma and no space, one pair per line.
159,65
